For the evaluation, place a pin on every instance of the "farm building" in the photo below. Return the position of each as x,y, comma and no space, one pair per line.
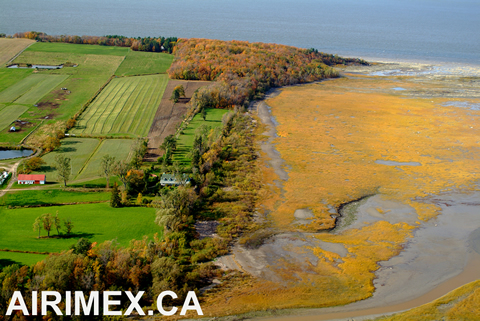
170,179
31,179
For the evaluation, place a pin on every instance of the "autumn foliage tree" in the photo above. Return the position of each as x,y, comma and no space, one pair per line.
244,71
177,92
30,165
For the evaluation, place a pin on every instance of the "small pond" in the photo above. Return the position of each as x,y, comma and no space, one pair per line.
14,153
393,163
37,66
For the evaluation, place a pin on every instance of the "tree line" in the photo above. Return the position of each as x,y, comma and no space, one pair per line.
151,44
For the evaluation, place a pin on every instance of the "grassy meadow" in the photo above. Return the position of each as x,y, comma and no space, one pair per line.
9,77
97,222
80,49
51,196
144,63
126,106
78,150
86,155
119,148
8,258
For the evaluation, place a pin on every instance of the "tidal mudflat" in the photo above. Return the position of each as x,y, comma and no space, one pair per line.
401,169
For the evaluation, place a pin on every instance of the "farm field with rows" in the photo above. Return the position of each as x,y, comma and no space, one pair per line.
10,47
126,106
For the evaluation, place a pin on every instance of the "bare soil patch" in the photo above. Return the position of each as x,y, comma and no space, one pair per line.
57,95
49,116
168,115
47,105
20,125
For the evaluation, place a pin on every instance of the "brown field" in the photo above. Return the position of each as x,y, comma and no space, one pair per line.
169,115
10,47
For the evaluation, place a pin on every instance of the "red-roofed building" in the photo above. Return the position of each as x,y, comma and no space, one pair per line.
31,179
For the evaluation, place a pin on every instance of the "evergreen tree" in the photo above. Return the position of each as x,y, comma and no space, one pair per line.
115,200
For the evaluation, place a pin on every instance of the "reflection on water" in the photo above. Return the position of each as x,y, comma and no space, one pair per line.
37,67
7,154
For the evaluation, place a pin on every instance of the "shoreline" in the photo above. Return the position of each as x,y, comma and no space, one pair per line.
415,68
411,61
370,307
349,311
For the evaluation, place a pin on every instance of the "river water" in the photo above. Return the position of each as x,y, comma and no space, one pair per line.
427,30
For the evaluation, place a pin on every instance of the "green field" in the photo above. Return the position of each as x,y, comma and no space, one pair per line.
95,65
8,258
126,106
29,90
77,149
144,63
9,114
185,140
96,182
9,77
86,155
52,196
120,148
83,81
60,47
97,222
